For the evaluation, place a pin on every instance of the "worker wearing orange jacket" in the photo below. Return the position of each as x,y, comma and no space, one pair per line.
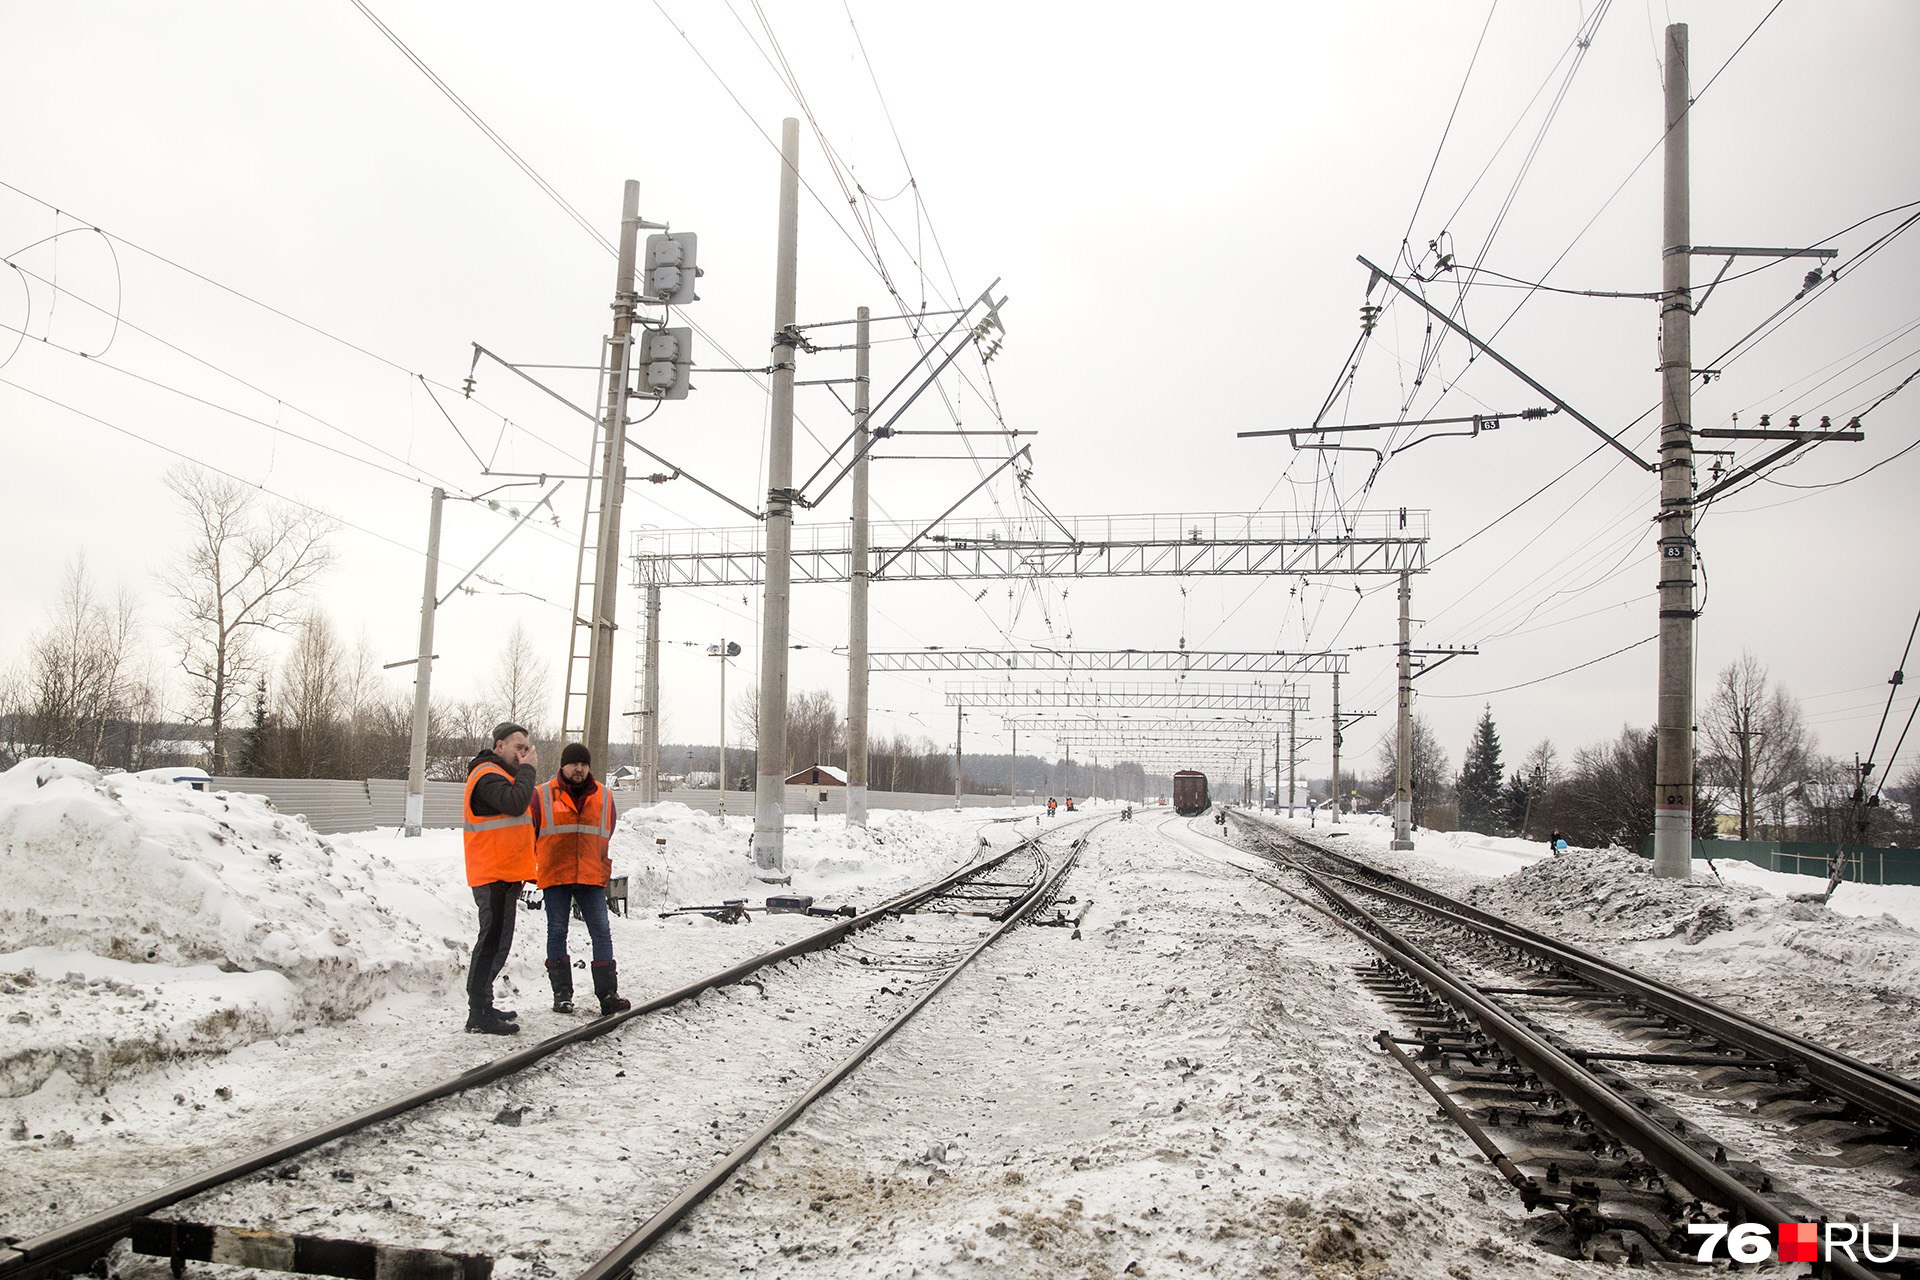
499,839
572,862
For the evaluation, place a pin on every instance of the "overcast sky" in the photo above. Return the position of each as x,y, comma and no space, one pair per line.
1173,199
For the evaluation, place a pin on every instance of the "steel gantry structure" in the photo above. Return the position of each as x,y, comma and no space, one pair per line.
1182,661
1209,544
1185,697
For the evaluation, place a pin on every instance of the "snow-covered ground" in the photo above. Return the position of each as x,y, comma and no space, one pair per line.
1190,1089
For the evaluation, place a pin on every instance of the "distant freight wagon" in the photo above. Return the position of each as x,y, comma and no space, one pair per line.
1190,793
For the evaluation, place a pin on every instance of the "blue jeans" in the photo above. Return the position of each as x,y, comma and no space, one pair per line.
559,900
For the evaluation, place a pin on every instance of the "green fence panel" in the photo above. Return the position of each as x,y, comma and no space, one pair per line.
1809,858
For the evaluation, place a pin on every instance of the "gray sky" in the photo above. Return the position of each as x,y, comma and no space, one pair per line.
1173,199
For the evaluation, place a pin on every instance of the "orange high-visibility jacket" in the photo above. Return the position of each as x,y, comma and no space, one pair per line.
574,838
499,847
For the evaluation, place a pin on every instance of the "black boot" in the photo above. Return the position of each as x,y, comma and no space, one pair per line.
560,974
606,985
487,1022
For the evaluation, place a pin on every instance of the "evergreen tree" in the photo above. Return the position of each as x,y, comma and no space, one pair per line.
1481,778
250,759
1515,802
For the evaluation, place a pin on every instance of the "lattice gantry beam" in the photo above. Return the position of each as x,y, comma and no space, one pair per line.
1191,697
1212,544
1258,725
1197,661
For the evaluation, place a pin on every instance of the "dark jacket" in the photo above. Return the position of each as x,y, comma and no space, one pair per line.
495,795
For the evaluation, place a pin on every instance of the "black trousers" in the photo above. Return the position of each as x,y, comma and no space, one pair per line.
498,903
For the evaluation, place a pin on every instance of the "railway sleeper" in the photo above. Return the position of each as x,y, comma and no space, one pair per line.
184,1242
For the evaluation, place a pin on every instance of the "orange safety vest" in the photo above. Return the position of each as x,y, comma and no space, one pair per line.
499,847
574,839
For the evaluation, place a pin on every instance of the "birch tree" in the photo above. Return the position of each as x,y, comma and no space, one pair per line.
245,574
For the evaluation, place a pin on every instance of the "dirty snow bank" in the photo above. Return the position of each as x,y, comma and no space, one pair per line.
148,920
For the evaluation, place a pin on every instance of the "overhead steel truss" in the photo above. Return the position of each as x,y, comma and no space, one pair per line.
1189,697
1210,544
1257,726
1180,660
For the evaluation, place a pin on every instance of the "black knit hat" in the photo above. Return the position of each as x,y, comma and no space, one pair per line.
575,753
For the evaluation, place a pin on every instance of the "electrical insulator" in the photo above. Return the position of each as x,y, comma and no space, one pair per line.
670,270
665,365
1368,314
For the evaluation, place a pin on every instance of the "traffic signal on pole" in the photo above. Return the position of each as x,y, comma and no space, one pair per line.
666,364
670,269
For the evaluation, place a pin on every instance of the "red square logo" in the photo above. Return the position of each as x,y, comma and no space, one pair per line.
1799,1242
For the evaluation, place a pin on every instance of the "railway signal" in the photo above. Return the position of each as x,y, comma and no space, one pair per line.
666,365
670,269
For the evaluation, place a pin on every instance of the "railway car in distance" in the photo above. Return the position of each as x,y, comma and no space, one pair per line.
1190,793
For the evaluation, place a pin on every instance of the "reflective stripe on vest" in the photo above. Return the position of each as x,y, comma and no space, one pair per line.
573,852
497,846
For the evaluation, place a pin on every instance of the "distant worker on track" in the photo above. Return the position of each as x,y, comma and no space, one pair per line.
572,863
499,838
1069,804
1052,805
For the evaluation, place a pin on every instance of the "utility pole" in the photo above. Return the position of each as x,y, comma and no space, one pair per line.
1013,771
1336,746
1746,737
959,724
613,480
1673,732
1403,727
1293,754
650,703
1260,796
423,676
770,791
724,651
857,584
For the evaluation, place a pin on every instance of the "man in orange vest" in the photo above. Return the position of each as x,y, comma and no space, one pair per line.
499,838
572,863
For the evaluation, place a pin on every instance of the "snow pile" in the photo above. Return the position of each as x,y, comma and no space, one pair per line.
149,920
1613,896
674,856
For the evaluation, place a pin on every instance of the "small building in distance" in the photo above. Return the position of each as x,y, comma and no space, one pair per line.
819,775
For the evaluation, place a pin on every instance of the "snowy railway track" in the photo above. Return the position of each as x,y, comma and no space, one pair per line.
1622,1103
347,1216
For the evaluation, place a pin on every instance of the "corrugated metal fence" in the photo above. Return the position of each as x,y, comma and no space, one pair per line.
331,805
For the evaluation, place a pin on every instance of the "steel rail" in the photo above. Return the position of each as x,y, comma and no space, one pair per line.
74,1246
1892,1097
1664,1149
619,1261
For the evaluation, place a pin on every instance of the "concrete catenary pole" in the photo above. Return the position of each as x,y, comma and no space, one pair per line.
770,790
959,727
1260,796
1673,725
1403,726
613,483
1013,770
1336,746
416,811
722,811
650,710
1293,755
857,674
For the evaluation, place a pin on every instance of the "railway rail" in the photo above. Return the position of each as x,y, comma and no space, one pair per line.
1632,1108
966,911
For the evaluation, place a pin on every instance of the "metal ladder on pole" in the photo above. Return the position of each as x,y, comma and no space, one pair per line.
573,706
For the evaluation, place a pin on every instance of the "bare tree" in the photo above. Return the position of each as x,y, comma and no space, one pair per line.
81,672
245,573
311,693
1428,776
1756,741
521,683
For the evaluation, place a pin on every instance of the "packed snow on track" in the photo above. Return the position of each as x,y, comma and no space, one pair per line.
1188,1089
187,975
